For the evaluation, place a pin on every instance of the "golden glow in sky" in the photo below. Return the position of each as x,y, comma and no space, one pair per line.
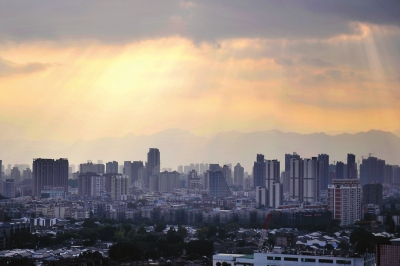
84,88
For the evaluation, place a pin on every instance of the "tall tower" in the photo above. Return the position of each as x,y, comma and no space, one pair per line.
153,163
324,181
313,170
227,172
296,179
218,186
259,171
238,175
288,157
339,170
351,166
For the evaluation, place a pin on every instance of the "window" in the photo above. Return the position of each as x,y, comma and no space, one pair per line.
344,262
307,260
290,259
325,261
273,258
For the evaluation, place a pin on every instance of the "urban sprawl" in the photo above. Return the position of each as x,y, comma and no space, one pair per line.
307,211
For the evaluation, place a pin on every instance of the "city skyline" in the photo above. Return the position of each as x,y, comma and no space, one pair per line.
83,70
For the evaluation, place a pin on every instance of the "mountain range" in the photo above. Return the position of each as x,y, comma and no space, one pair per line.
179,147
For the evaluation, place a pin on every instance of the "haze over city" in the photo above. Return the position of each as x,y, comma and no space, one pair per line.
87,70
206,132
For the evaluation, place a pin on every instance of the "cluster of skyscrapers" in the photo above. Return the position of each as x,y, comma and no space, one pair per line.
303,180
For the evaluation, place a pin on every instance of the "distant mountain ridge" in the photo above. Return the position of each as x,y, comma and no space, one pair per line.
180,147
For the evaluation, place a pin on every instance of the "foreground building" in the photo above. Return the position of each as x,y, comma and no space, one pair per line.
276,259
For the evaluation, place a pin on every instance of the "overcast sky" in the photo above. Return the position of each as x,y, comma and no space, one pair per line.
74,70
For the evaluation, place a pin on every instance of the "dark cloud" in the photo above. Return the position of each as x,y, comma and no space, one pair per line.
120,21
315,62
10,68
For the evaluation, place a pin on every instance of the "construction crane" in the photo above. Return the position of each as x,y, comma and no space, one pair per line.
264,231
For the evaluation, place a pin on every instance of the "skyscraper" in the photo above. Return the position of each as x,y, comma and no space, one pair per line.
112,167
371,170
128,169
238,175
296,179
49,174
153,163
90,167
16,175
373,194
259,171
313,170
168,181
288,158
135,167
339,170
351,166
218,186
324,179
227,172
9,188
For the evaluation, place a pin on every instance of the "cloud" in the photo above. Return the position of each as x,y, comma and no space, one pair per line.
124,21
11,68
284,61
315,62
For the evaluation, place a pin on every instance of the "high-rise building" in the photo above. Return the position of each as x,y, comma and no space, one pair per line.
119,187
135,167
272,182
339,170
351,166
16,175
288,158
90,167
112,167
313,170
259,171
227,172
169,181
128,170
1,170
296,179
344,200
218,186
27,174
215,167
324,179
91,185
373,194
49,174
238,175
9,188
153,163
371,170
262,197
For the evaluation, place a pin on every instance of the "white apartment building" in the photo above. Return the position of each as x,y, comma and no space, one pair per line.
344,200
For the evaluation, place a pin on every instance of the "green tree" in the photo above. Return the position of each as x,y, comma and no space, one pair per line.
182,231
89,223
141,230
125,251
160,226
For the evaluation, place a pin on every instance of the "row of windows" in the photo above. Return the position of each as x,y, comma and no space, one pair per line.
341,262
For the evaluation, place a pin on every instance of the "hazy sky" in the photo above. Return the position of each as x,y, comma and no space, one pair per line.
74,70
